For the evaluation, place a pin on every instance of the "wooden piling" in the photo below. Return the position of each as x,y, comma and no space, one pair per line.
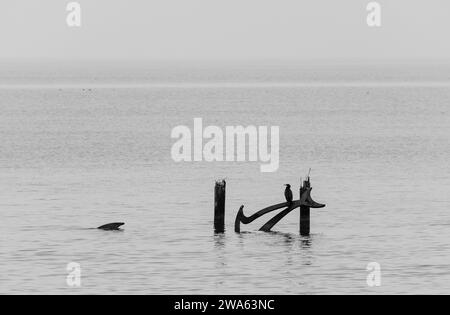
219,206
305,212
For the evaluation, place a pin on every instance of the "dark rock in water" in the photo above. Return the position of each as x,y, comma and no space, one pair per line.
111,226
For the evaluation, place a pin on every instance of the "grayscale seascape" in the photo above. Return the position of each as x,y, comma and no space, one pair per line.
222,154
89,146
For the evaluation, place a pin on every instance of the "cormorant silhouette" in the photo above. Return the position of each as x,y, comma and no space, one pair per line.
288,193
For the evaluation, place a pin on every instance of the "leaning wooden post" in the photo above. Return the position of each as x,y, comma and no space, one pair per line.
305,211
219,206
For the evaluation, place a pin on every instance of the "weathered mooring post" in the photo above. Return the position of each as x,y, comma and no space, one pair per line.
305,211
219,206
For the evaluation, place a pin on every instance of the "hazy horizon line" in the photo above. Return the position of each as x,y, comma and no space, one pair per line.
229,85
250,61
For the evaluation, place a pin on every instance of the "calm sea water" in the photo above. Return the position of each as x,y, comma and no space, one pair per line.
73,157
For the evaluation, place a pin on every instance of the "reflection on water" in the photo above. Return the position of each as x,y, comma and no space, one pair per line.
276,253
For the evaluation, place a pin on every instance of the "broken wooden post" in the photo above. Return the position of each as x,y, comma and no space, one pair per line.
305,211
219,206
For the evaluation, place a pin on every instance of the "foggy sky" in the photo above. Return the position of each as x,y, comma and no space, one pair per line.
225,29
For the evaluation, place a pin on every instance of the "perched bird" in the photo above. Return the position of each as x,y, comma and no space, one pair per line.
288,193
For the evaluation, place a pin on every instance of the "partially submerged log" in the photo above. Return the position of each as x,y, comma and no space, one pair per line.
305,204
111,226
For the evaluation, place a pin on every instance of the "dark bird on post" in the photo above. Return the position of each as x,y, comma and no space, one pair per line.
288,193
